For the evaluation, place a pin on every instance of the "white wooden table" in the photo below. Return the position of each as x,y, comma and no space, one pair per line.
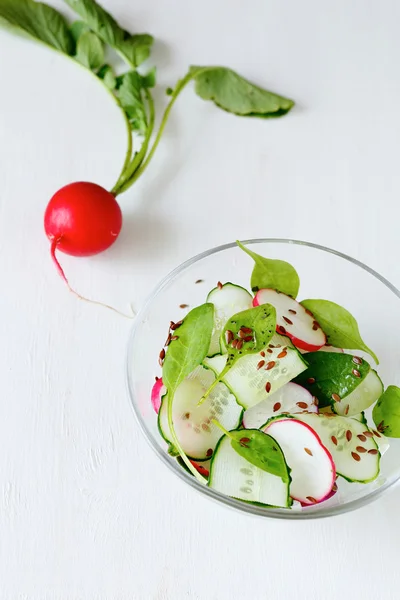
87,512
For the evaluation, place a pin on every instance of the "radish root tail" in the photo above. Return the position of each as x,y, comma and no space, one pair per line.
60,270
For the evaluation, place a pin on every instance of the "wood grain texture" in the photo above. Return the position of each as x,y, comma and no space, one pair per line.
86,510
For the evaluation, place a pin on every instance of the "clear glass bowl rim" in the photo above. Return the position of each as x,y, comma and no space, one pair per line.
174,467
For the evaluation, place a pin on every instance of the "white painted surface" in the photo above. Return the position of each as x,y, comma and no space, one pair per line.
86,510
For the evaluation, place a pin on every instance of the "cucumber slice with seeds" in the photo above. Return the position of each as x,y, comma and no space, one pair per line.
233,475
196,433
228,300
351,443
250,383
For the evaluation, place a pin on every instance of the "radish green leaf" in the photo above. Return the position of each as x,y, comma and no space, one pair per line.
39,21
270,273
233,93
90,50
339,325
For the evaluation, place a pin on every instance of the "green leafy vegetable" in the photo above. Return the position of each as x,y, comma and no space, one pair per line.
183,356
90,51
233,93
332,376
106,73
38,21
339,325
130,96
386,413
259,449
77,28
274,274
249,332
134,48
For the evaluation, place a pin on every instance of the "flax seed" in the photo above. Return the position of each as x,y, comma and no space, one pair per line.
282,354
270,365
362,437
277,406
288,321
239,345
311,499
174,337
334,440
368,434
373,451
308,451
176,325
336,397
309,312
268,387
248,338
281,330
183,305
219,285
357,360
361,449
292,311
311,380
228,337
349,435
356,373
302,404
262,353
162,354
356,456
260,364
346,412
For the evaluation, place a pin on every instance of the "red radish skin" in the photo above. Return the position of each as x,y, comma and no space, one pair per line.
200,469
157,393
83,219
301,344
270,430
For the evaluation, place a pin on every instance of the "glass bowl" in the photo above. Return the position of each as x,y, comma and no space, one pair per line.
324,273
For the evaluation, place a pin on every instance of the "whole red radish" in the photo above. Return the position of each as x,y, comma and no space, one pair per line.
82,219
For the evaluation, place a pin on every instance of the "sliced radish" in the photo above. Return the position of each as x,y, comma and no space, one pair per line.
157,393
293,320
328,348
312,468
289,399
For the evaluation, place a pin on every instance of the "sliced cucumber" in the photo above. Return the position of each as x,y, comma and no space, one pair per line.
228,300
289,399
194,430
368,392
250,383
233,475
344,437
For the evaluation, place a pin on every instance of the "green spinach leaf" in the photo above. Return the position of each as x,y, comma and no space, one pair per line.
233,93
332,376
261,450
271,273
189,350
184,354
39,21
339,325
134,48
250,330
90,51
386,413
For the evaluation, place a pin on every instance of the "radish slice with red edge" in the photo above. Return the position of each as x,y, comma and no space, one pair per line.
157,393
313,471
293,320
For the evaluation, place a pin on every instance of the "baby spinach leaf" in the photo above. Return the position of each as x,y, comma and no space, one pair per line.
189,350
259,325
89,50
248,331
233,93
339,325
183,356
386,413
259,449
39,21
332,376
274,274
134,48
108,76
